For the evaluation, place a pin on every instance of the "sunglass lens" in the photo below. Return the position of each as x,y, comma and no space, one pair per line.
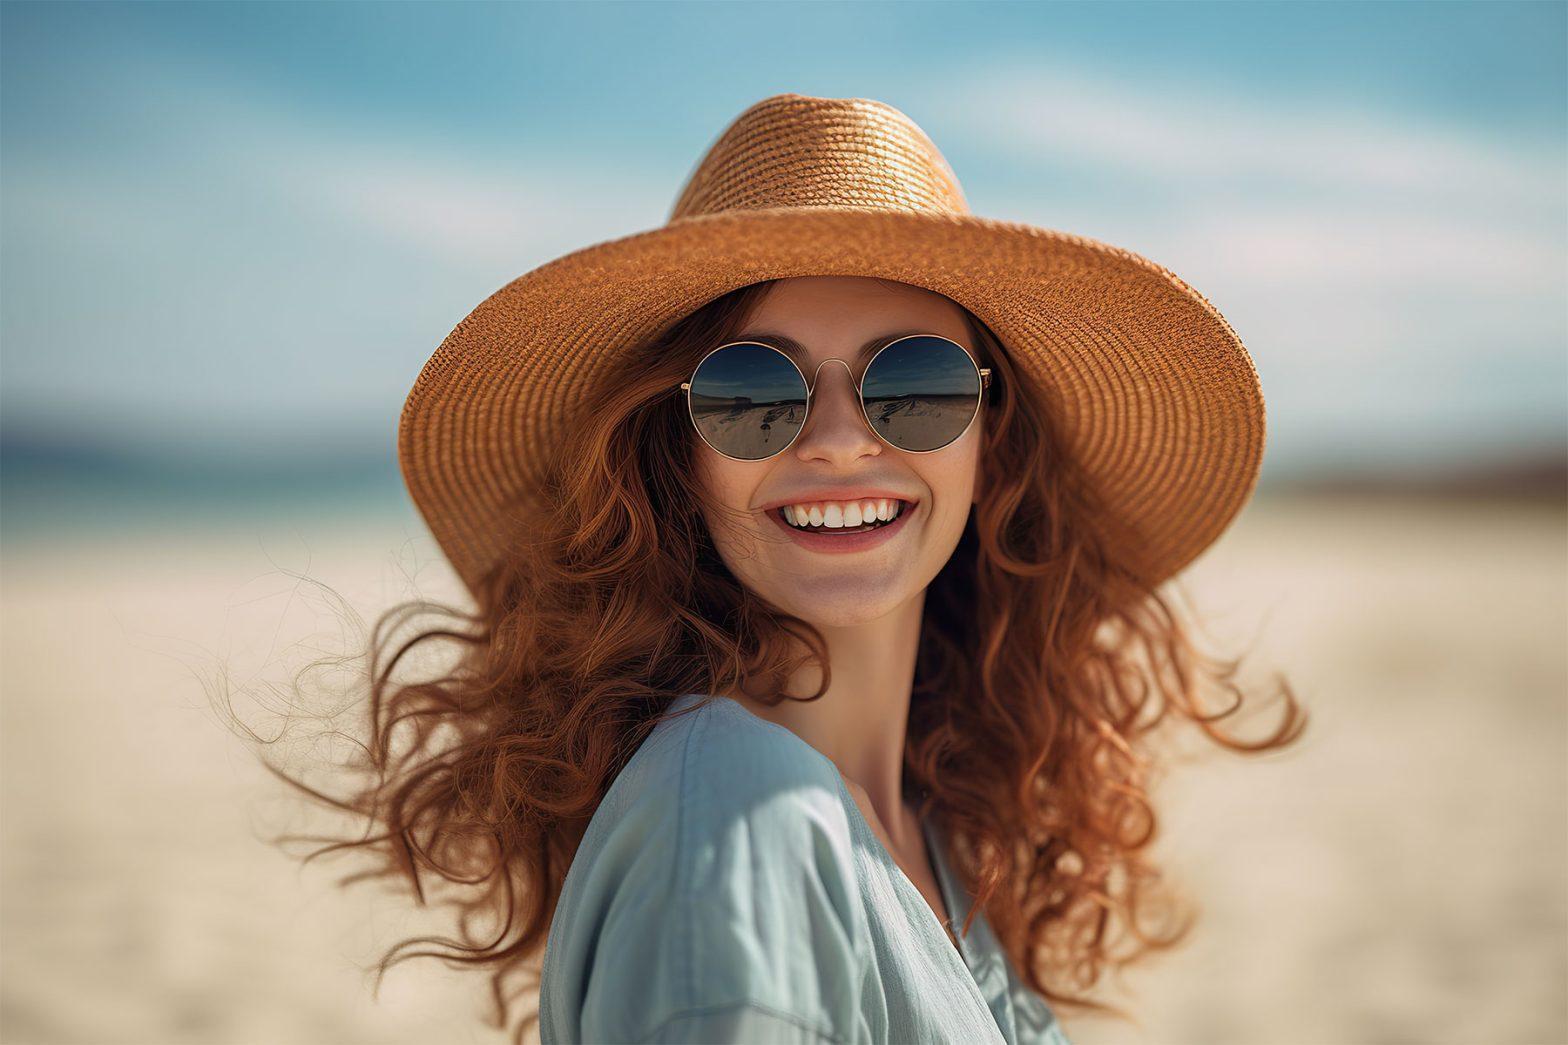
748,401
921,392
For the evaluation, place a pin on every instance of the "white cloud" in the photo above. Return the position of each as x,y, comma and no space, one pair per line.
1079,116
1398,251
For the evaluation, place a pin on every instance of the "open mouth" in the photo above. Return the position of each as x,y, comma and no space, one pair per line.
885,512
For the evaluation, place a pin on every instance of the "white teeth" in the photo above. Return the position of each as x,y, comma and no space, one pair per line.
840,514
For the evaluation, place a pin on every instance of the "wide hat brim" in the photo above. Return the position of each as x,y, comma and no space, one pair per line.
1159,400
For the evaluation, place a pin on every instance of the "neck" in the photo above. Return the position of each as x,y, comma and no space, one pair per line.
861,721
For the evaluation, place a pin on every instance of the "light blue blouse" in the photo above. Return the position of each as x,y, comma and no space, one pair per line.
729,889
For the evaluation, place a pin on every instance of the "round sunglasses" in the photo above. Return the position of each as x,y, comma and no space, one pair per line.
749,400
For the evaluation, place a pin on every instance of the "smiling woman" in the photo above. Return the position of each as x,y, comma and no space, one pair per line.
816,541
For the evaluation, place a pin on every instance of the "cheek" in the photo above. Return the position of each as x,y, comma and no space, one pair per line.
723,480
729,488
975,442
954,477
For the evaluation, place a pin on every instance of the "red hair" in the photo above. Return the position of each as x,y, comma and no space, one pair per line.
1044,666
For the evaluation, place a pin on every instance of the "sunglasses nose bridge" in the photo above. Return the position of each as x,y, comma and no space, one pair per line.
816,374
816,379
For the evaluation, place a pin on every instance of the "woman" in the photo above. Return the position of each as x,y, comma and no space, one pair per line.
815,539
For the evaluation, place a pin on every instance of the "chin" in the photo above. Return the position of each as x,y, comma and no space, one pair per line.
840,607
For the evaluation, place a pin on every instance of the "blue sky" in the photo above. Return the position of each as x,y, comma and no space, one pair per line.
232,229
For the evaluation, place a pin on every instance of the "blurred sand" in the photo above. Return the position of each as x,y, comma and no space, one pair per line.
1400,875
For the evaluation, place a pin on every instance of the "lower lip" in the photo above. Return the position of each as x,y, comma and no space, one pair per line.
842,543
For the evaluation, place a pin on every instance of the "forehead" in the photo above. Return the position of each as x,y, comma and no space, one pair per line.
833,315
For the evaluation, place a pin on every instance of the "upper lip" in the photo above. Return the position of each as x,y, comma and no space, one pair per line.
862,493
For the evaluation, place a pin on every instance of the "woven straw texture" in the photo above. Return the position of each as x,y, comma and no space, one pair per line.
1159,400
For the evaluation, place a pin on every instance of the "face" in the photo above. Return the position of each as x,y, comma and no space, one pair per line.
837,459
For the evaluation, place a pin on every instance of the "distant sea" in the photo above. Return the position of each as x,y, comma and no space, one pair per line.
53,488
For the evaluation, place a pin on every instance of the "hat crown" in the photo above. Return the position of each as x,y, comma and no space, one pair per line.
794,150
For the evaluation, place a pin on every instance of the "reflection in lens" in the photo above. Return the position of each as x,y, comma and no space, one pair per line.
748,400
921,392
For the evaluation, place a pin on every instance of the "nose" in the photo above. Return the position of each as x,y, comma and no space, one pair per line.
836,430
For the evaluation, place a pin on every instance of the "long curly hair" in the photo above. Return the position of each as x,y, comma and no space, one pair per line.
1043,670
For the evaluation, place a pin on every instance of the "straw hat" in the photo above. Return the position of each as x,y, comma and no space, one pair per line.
1156,395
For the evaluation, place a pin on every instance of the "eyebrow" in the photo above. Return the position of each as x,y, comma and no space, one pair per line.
795,348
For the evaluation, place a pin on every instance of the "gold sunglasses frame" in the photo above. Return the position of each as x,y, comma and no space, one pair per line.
982,372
